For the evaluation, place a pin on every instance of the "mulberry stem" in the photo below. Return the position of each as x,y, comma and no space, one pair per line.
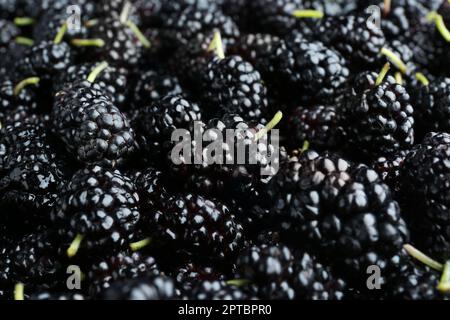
442,28
421,77
88,42
216,45
415,253
23,21
125,12
96,71
24,83
61,32
19,291
142,38
399,78
305,146
387,7
75,246
314,14
91,23
136,246
25,41
383,74
272,124
444,284
395,60
238,282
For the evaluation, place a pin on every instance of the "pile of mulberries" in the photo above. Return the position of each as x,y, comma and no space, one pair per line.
225,150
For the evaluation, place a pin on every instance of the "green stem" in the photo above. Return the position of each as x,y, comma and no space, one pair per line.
75,246
399,78
444,284
136,246
61,32
134,28
314,14
420,256
91,23
238,282
305,147
24,83
125,12
431,16
382,74
25,41
442,28
272,124
88,43
19,289
395,60
422,78
96,71
216,45
23,21
387,7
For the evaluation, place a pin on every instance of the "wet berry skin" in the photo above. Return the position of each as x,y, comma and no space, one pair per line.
217,290
154,85
424,179
112,80
205,229
354,37
379,121
298,64
121,48
101,166
156,122
336,206
102,206
121,266
150,288
318,125
91,126
233,86
45,60
32,260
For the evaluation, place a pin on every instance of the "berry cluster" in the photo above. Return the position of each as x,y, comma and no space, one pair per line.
349,120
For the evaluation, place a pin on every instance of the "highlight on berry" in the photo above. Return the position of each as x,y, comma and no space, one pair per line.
224,150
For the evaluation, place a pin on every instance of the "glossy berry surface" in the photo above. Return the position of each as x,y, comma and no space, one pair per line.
224,150
90,125
101,205
203,228
153,288
383,116
295,63
334,205
233,86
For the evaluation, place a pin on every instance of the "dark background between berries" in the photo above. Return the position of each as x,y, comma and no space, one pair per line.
364,160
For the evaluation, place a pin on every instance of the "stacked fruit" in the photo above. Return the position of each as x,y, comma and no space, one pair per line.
359,177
